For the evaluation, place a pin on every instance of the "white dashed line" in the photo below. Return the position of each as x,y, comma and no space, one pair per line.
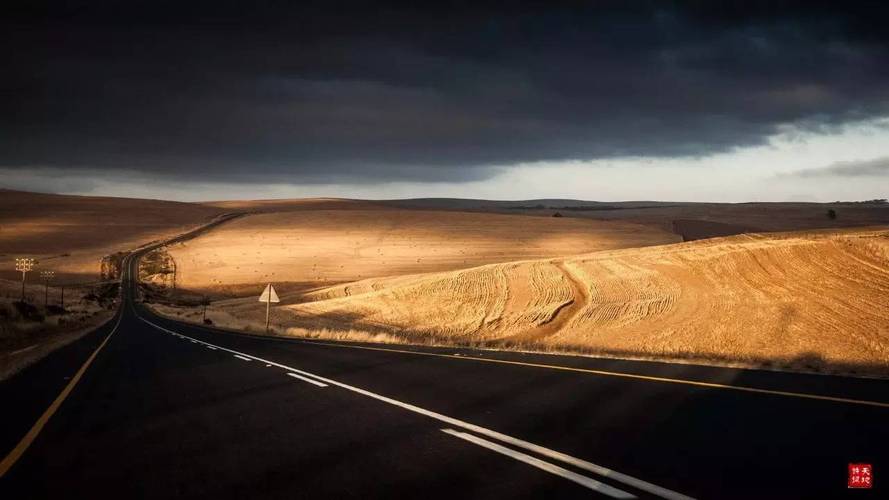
504,438
242,357
306,379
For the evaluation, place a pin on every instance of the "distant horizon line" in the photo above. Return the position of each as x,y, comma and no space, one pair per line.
448,198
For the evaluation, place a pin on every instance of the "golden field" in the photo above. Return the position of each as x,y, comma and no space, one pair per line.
71,234
616,280
323,246
815,300
690,220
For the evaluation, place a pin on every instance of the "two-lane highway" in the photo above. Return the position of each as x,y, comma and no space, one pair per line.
162,409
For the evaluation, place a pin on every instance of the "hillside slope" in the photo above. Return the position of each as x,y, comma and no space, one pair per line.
71,234
317,247
806,299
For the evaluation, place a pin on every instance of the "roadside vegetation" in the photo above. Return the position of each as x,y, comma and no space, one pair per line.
29,330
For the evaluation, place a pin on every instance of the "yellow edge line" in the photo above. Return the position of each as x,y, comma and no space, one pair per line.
32,434
621,374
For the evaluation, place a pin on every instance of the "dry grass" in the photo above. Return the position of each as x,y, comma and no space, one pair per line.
320,247
706,220
296,205
817,296
71,234
609,282
807,300
24,340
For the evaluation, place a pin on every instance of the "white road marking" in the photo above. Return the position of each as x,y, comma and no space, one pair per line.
552,454
307,379
242,357
543,465
211,347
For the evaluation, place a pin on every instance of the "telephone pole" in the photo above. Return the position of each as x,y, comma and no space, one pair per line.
47,277
24,265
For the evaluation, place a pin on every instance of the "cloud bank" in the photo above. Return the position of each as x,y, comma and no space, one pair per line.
369,93
878,167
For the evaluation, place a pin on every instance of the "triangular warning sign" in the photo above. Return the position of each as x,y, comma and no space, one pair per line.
269,295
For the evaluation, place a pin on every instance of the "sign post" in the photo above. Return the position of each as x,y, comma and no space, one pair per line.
268,296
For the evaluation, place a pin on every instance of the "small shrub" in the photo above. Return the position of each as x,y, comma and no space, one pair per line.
7,311
831,214
28,311
557,214
208,321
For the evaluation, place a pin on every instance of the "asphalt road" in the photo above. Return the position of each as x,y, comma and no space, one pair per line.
170,410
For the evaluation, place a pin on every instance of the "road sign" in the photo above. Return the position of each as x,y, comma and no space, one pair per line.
269,294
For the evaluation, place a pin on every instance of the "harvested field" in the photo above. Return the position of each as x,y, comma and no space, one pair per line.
692,221
296,205
321,247
71,234
808,300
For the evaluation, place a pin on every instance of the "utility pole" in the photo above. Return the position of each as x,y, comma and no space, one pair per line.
24,265
47,277
62,298
204,312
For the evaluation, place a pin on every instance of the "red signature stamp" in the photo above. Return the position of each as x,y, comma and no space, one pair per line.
861,476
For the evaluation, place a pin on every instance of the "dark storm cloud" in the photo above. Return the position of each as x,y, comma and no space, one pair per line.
365,92
878,167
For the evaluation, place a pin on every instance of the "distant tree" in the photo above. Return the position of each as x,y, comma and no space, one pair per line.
557,214
831,214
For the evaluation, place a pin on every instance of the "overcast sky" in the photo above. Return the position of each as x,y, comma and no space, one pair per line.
702,101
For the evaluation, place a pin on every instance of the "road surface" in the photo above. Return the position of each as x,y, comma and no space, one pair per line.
147,407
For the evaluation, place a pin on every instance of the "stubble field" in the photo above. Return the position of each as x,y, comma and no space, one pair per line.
816,300
313,248
613,281
805,300
70,234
